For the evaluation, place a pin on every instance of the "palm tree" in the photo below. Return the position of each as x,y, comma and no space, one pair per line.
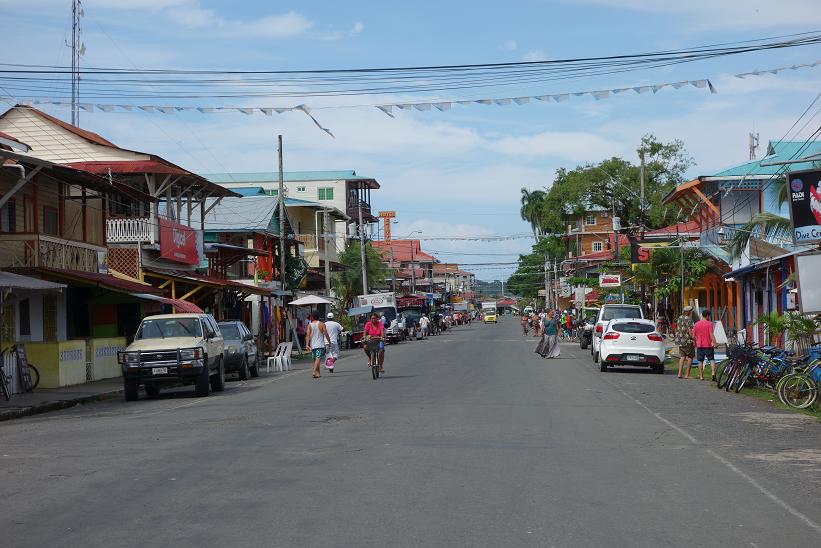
765,226
531,209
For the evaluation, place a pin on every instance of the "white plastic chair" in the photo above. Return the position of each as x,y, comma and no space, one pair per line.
275,359
285,357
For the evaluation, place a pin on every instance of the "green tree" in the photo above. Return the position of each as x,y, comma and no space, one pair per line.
529,275
531,209
347,284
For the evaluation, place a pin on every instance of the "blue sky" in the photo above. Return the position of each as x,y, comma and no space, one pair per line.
455,173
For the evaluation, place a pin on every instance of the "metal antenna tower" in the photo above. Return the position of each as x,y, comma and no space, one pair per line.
753,145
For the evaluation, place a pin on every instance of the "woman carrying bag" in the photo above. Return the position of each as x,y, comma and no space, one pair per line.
549,345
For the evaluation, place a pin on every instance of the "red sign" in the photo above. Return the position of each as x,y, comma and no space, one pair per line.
178,243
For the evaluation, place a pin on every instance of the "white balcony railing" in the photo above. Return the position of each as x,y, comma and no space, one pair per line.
41,250
133,230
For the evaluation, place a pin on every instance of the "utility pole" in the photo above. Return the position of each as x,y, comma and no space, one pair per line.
681,266
556,283
413,271
77,49
546,280
281,194
362,251
617,257
325,241
641,197
393,274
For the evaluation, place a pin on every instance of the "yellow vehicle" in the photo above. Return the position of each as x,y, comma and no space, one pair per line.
489,312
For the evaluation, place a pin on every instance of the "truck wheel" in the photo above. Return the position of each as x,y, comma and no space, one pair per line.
218,379
254,369
202,386
131,388
152,390
603,367
583,343
243,369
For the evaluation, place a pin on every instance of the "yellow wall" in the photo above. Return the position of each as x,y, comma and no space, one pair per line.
104,354
59,363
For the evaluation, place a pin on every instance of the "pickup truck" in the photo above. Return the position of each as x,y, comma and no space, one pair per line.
173,349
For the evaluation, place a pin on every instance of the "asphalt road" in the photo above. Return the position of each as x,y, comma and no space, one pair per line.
469,440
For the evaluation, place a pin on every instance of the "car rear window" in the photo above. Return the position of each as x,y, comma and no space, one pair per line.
633,327
612,312
229,331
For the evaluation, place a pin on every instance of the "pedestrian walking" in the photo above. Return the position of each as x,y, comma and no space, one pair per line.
549,345
424,325
684,339
316,337
334,329
525,321
705,344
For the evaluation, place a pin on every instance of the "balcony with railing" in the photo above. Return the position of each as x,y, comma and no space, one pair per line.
313,253
43,251
132,230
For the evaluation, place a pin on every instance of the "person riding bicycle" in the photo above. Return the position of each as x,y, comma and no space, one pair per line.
375,342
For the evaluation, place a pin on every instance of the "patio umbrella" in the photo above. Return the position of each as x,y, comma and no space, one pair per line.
309,300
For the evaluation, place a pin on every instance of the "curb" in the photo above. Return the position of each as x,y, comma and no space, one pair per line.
10,414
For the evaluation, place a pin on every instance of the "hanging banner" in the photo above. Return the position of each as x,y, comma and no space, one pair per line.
805,205
609,280
178,243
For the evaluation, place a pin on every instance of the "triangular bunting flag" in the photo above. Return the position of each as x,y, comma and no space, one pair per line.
599,95
106,108
147,108
561,97
442,106
267,111
422,106
521,100
502,102
166,110
386,109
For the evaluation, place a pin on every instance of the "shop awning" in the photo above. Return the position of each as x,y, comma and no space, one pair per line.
194,279
103,281
178,304
360,310
9,280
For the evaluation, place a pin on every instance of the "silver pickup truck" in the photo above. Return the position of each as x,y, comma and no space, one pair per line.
173,349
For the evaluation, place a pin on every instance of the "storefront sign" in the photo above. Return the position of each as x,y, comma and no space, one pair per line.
805,205
178,243
609,280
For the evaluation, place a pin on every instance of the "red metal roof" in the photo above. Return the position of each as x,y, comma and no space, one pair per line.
106,281
85,134
155,165
689,227
402,251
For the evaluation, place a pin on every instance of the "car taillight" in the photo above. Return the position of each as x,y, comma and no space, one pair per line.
655,337
612,336
599,328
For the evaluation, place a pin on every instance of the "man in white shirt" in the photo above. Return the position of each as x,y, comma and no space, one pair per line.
424,324
334,330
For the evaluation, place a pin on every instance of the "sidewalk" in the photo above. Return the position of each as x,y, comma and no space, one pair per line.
51,399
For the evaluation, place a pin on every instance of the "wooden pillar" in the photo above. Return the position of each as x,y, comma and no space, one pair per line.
35,200
83,207
708,286
739,307
61,209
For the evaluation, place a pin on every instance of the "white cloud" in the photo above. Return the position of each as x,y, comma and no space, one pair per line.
534,55
357,29
510,45
572,146
728,13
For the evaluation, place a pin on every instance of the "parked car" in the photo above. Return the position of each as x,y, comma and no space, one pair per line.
632,342
241,355
609,312
174,348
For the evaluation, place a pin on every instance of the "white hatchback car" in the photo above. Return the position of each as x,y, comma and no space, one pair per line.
632,341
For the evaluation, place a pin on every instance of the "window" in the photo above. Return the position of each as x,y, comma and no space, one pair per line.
597,246
633,327
25,317
590,220
8,217
300,189
271,191
325,193
50,221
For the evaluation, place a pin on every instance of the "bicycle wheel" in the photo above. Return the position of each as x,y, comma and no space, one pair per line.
733,375
35,376
799,392
724,368
743,377
375,371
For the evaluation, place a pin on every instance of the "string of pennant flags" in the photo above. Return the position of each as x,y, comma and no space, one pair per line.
422,106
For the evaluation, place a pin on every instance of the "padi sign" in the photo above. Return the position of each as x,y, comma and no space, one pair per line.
805,205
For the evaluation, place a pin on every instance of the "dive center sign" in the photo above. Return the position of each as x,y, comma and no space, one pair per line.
805,205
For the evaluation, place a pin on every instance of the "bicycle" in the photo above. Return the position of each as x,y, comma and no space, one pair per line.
28,374
376,350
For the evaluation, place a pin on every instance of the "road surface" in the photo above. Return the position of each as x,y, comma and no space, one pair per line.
469,440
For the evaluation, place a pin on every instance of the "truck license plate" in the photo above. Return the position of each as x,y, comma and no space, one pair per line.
633,357
159,371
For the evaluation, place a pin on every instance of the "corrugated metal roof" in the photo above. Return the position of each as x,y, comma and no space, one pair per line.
288,176
9,280
776,152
